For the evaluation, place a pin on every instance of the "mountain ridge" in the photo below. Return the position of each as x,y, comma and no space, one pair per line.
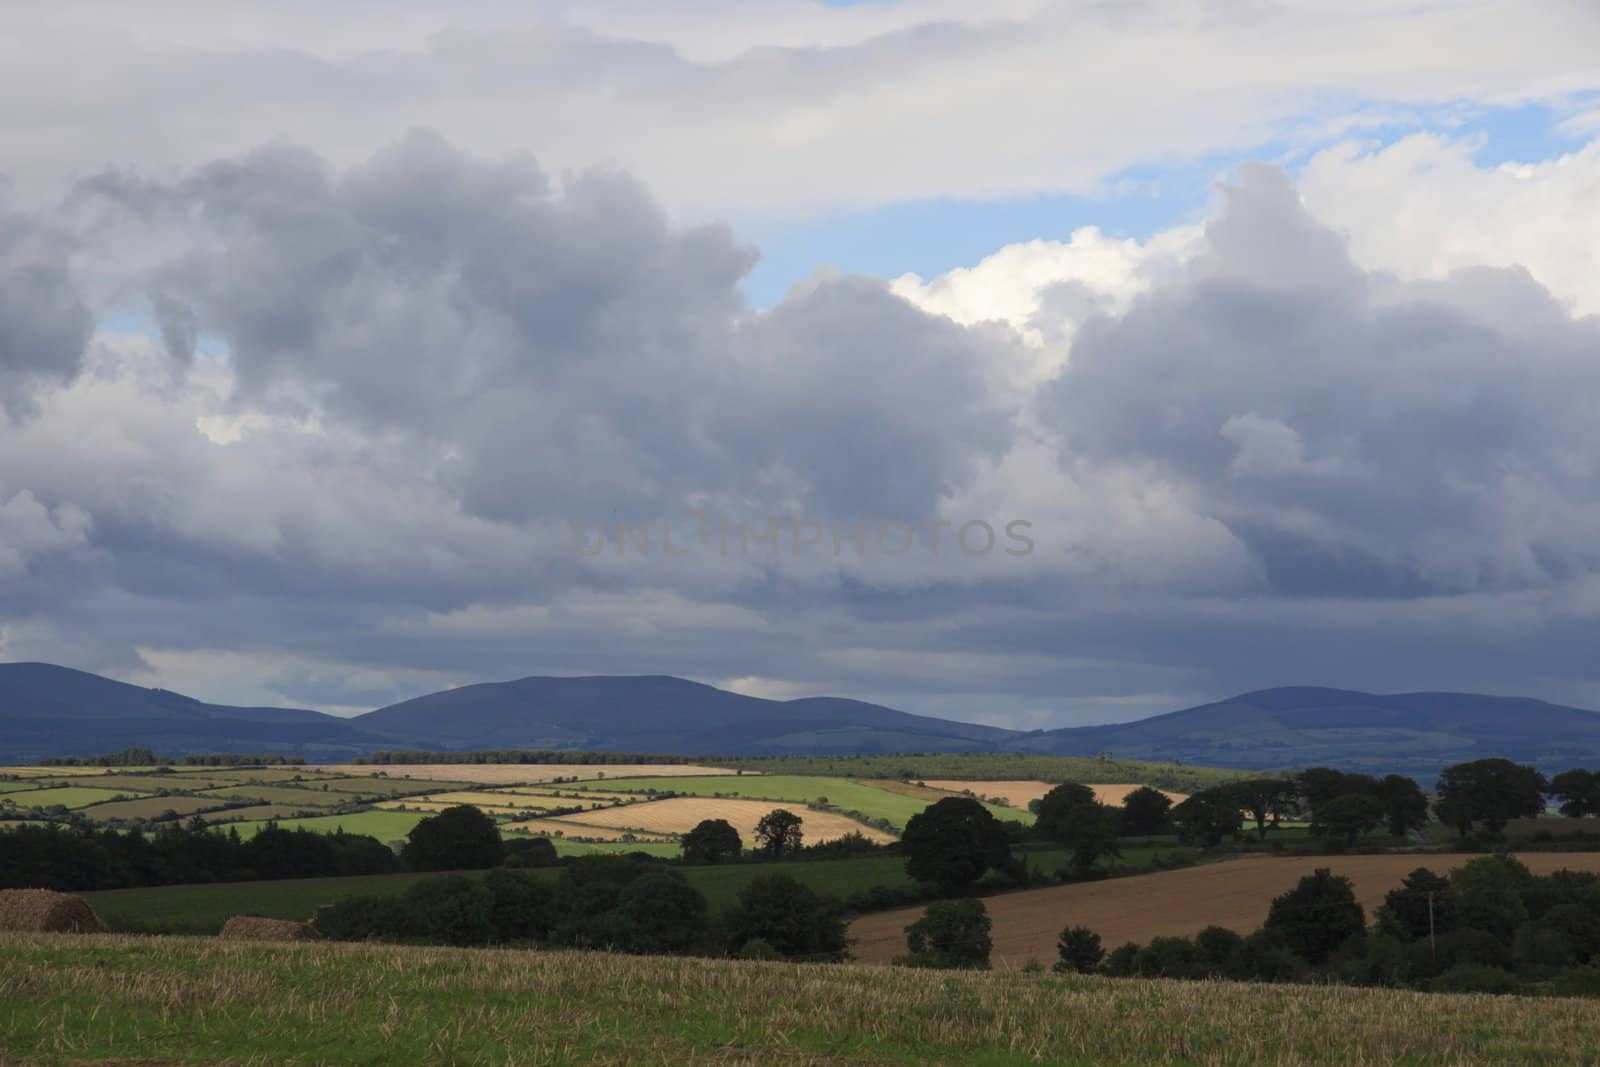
50,710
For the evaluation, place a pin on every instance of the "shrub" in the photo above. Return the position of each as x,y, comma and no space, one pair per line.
365,918
712,841
952,842
665,913
1169,957
952,934
1122,961
451,910
1474,978
531,852
1221,952
794,919
757,949
522,908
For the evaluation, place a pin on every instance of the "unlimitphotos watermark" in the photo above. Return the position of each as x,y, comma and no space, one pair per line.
773,538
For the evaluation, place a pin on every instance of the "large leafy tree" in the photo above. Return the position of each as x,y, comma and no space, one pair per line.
1346,818
778,833
951,934
952,842
1146,811
461,838
1317,916
1405,805
1091,831
1207,817
1579,791
1488,793
712,841
1265,800
793,920
1053,808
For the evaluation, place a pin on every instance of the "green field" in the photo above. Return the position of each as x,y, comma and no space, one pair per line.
840,793
389,787
386,826
69,796
1178,777
109,999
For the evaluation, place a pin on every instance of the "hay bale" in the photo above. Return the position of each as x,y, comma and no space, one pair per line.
48,911
255,928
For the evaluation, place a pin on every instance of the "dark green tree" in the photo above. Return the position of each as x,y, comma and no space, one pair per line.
1207,817
778,833
950,935
1090,831
521,906
663,913
1080,950
712,841
1265,800
1344,819
1423,900
1053,808
1316,916
1579,791
450,910
1488,793
461,838
1146,811
1405,805
952,842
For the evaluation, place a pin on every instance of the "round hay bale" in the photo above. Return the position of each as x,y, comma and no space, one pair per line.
47,911
255,928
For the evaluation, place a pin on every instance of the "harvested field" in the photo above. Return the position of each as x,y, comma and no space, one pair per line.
568,826
387,787
566,798
255,928
433,807
1232,893
151,807
107,999
679,815
128,783
47,912
254,812
281,794
1020,793
519,773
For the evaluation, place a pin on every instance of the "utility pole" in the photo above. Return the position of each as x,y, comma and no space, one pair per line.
1433,947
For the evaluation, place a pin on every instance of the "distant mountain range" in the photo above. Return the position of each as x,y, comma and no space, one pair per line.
49,710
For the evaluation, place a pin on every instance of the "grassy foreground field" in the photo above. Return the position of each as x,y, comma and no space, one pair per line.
106,999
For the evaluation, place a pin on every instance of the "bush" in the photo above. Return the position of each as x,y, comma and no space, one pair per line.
1169,957
1080,951
794,919
451,910
1474,978
757,949
664,912
522,908
1221,952
531,852
951,935
1122,961
365,918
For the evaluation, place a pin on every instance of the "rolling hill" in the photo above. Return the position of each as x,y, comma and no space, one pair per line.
1407,733
48,710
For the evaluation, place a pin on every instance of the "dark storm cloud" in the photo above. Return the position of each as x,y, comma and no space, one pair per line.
44,323
531,334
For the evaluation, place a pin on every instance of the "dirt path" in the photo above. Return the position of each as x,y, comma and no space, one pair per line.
1234,894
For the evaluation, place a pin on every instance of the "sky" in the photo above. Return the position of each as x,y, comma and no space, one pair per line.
1032,363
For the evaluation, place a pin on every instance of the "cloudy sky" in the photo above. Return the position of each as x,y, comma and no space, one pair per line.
1035,363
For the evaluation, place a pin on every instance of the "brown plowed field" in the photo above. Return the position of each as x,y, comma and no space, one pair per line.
1234,893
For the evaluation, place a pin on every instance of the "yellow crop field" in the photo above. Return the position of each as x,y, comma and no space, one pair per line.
677,815
1020,793
434,806
484,799
518,773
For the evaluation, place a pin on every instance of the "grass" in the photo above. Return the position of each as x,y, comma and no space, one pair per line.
1181,778
104,999
841,793
68,796
386,826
